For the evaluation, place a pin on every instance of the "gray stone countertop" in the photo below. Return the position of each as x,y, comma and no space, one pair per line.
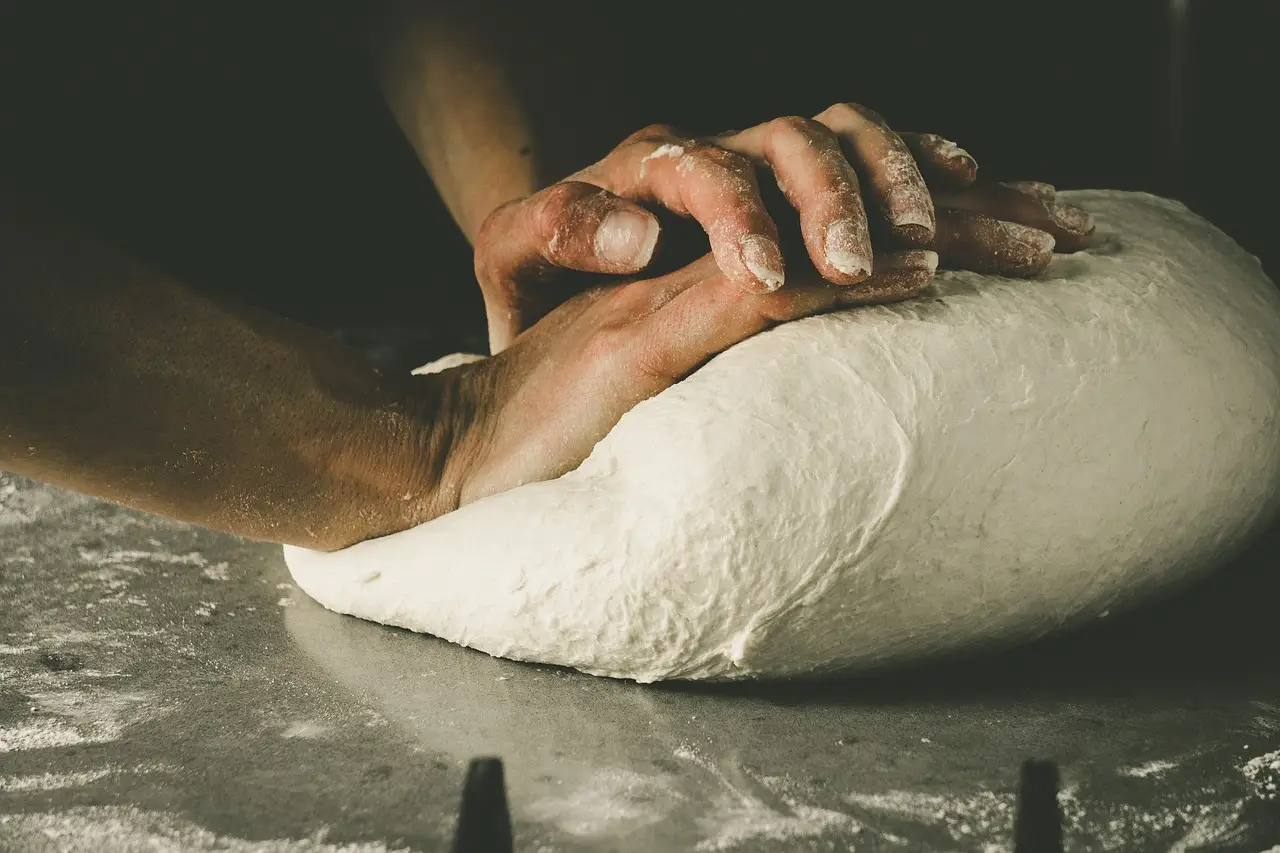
166,688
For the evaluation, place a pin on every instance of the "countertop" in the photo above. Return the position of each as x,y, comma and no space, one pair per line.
164,687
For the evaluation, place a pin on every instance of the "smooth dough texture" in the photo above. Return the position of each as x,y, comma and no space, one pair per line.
981,465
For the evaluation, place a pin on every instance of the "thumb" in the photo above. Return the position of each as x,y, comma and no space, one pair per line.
569,225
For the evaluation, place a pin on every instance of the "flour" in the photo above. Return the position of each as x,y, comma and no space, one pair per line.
117,829
609,803
668,150
751,809
1263,774
217,572
73,717
50,734
305,729
984,820
1151,768
50,781
132,558
883,484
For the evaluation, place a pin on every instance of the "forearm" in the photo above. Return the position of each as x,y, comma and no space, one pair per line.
450,89
120,383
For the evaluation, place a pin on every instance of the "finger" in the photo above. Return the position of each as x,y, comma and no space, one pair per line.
980,243
818,181
570,225
898,276
715,186
1037,189
897,187
1070,226
941,161
710,316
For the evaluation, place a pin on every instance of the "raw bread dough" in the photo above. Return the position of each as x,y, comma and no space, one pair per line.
977,466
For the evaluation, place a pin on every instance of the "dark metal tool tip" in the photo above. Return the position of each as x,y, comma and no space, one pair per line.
1037,827
484,821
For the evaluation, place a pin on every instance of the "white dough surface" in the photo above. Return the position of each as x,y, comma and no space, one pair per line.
985,464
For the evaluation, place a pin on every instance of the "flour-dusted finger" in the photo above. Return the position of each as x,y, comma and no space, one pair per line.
943,163
571,226
715,186
818,181
696,322
1038,189
897,191
980,243
1030,204
898,276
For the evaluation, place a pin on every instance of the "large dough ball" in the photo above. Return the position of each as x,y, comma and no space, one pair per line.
869,487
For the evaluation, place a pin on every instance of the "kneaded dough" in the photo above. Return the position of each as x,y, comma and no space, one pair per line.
982,465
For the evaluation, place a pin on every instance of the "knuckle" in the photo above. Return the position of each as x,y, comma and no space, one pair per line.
607,345
558,209
850,112
653,133
800,126
495,224
716,158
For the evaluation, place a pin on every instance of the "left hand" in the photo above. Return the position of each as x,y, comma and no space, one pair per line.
921,192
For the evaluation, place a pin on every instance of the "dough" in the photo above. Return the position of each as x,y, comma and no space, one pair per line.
979,466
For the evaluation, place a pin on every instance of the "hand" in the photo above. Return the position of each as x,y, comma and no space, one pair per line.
921,192
536,410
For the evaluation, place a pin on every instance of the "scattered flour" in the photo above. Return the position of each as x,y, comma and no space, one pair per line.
742,816
985,819
1263,774
73,717
117,829
1220,826
1151,768
46,734
217,572
305,729
50,781
661,151
739,820
610,802
129,558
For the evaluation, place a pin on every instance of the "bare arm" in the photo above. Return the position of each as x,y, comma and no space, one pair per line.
450,89
119,382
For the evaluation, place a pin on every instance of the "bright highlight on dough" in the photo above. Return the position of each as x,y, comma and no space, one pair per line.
871,487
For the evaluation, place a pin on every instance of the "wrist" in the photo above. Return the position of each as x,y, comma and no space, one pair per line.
411,452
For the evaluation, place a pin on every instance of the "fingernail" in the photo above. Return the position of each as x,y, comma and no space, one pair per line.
627,238
919,259
845,248
1070,218
1033,239
1035,189
909,206
762,257
951,151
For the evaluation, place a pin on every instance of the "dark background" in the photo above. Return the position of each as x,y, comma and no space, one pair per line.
244,148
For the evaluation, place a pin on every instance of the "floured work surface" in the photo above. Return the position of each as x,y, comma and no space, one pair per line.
164,688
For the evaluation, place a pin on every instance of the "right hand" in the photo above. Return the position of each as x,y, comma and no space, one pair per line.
535,411
845,174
